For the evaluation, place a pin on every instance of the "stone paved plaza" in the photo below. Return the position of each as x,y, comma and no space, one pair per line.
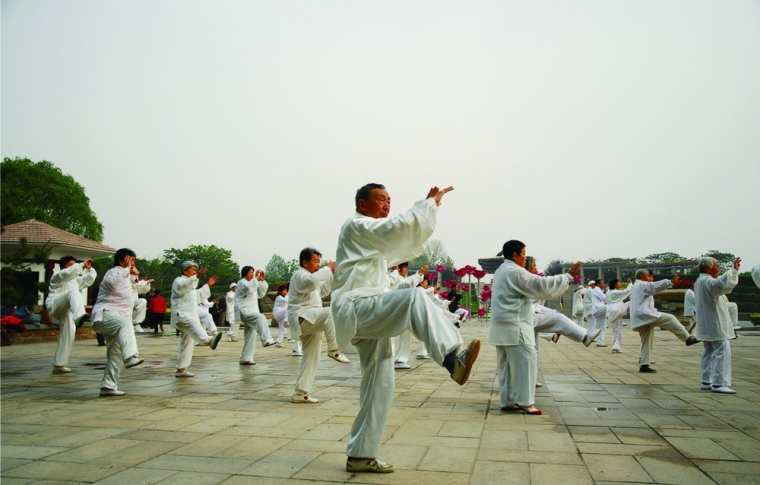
604,422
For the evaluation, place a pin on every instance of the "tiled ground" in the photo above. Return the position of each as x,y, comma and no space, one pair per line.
604,421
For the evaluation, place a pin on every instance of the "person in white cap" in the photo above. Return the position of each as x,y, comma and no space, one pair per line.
644,316
715,324
308,285
66,305
402,345
229,299
368,316
250,288
184,316
112,317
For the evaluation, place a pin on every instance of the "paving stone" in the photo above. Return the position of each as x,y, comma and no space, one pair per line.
446,459
198,464
616,468
550,441
702,448
564,474
194,478
593,434
500,473
551,457
283,463
328,466
137,475
73,472
677,471
29,452
406,457
623,449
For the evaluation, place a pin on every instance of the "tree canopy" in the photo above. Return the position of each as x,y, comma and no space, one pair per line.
433,253
278,270
40,190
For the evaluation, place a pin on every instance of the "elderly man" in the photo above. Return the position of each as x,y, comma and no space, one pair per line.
112,317
250,288
715,324
511,331
66,305
308,285
184,317
365,313
645,317
399,279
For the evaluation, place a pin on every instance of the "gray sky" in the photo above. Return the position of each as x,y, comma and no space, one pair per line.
587,129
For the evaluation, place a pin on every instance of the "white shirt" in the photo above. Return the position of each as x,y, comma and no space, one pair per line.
689,303
642,307
248,294
305,293
75,277
366,248
229,298
185,296
756,275
512,314
714,322
117,294
598,301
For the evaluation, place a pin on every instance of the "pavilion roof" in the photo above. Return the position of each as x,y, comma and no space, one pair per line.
37,233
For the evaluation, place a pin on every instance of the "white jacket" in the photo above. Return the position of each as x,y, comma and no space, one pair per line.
512,314
75,277
247,296
642,307
117,293
366,248
714,321
305,294
184,299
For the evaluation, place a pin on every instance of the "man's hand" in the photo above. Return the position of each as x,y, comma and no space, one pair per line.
737,263
260,275
332,265
437,194
201,271
211,281
87,264
423,269
575,269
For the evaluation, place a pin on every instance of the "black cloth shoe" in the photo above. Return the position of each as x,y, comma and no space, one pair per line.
692,340
646,368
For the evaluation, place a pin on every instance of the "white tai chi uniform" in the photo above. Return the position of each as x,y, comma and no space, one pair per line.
204,315
689,305
280,315
512,330
305,294
715,326
66,305
550,321
598,313
184,316
586,306
368,315
247,312
756,275
578,305
140,307
112,317
644,316
229,299
616,310
402,345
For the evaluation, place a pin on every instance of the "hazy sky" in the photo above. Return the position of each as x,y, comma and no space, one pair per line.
587,129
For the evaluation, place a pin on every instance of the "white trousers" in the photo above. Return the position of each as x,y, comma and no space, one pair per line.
207,321
516,372
598,322
311,337
715,366
65,310
121,345
191,331
232,332
378,319
556,322
253,323
282,326
422,350
402,346
138,312
617,332
665,322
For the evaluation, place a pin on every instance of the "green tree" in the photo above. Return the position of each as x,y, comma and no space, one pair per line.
278,270
434,253
666,257
217,261
725,260
40,190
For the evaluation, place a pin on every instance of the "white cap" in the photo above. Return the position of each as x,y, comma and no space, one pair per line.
592,282
233,285
187,264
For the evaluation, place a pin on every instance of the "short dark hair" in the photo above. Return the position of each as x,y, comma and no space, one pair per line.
512,246
122,253
403,265
282,288
365,191
245,271
307,254
613,283
65,260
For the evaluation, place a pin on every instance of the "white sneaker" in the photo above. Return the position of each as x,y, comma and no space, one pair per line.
538,384
138,328
422,357
616,351
724,390
401,365
268,343
60,369
589,338
339,357
183,373
300,399
296,353
105,392
705,387
133,361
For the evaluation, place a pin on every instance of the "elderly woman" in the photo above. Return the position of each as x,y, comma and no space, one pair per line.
715,324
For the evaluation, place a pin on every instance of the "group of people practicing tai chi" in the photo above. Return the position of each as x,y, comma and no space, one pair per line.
369,308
